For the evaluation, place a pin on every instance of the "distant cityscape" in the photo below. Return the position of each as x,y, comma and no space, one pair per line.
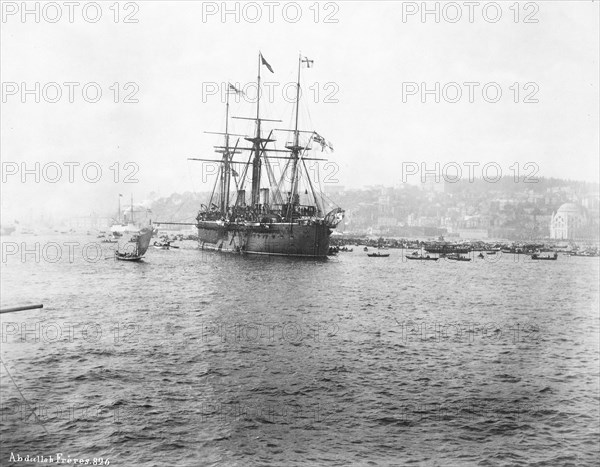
551,209
478,210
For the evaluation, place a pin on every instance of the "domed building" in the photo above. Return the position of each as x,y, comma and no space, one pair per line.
570,222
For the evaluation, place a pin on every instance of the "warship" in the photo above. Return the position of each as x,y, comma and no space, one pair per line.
276,217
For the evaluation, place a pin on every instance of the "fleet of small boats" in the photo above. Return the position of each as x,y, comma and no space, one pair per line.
466,251
422,251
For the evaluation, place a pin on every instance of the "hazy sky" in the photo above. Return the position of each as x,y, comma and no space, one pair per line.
370,62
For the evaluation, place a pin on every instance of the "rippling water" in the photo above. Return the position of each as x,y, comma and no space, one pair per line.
195,358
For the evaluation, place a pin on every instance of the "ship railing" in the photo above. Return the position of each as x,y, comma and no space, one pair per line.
297,210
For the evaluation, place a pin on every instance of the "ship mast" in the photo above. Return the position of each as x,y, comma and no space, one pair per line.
256,162
295,148
223,180
225,170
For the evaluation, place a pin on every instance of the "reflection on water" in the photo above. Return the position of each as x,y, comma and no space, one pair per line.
192,358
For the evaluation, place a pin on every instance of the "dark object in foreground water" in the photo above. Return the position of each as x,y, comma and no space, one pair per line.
378,255
20,308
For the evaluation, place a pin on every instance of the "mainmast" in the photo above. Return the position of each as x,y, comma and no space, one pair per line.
257,142
256,162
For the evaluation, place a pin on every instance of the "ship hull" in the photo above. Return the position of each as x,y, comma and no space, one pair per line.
279,239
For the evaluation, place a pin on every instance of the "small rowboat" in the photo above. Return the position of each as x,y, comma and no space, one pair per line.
457,257
421,258
127,256
546,258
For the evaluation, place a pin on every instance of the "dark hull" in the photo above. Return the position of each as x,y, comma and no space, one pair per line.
127,258
280,239
448,250
416,258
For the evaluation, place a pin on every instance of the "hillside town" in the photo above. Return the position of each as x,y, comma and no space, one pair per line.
550,209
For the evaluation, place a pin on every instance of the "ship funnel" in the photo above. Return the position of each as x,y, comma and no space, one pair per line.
264,196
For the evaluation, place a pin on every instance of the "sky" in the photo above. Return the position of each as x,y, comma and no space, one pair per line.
367,93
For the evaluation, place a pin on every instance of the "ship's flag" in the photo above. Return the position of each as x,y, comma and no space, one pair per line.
265,63
319,139
309,63
322,141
